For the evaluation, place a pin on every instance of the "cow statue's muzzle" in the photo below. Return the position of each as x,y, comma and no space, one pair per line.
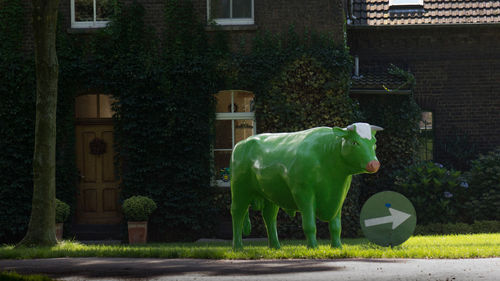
372,166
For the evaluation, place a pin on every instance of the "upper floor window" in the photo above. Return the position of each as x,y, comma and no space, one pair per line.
231,12
235,121
91,13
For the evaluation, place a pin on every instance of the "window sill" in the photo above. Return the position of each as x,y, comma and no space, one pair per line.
82,30
239,27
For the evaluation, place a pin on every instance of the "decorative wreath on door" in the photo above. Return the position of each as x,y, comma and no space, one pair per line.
97,146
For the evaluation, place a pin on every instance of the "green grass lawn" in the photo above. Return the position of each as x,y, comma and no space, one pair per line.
448,246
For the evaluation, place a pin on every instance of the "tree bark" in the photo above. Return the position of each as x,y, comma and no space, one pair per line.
41,228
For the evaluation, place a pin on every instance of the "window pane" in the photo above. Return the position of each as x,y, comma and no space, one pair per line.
426,122
84,10
104,10
223,134
243,102
222,8
86,106
105,104
426,136
222,159
242,129
242,8
223,101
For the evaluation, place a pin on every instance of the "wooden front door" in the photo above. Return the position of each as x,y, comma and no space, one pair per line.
98,188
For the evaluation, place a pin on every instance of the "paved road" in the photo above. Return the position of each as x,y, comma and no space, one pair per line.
194,269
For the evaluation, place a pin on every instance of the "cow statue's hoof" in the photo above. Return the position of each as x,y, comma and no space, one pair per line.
336,244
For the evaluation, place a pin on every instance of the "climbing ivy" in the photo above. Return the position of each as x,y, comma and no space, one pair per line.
163,83
17,122
397,145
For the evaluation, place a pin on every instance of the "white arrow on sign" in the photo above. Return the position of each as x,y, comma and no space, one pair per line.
396,217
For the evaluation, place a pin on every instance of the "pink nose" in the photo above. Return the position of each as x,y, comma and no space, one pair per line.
372,166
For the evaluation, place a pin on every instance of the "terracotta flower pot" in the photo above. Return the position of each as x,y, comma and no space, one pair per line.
137,232
59,231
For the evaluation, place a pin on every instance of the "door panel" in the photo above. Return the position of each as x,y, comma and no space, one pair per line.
98,188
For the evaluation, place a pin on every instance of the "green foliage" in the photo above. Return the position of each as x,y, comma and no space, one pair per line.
306,95
138,208
484,184
17,121
62,211
456,151
397,145
164,114
438,194
11,22
458,228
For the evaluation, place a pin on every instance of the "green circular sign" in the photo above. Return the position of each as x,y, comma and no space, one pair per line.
388,218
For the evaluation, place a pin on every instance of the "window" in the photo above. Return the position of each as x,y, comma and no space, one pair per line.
94,106
426,136
91,13
231,12
235,121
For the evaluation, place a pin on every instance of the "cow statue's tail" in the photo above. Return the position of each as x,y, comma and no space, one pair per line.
247,226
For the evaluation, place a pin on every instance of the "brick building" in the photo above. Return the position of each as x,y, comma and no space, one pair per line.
452,48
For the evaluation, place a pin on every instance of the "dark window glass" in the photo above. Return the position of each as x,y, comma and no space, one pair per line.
104,10
84,10
222,9
242,8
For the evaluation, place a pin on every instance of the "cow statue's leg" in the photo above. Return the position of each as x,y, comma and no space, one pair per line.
269,214
307,208
335,228
238,213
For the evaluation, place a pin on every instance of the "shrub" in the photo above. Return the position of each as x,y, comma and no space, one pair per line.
138,208
458,228
62,211
438,194
484,182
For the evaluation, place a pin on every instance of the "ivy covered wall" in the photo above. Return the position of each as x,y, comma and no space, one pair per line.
164,86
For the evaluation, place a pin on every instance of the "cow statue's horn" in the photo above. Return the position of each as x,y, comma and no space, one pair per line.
376,128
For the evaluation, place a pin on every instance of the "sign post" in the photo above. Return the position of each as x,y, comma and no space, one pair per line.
388,218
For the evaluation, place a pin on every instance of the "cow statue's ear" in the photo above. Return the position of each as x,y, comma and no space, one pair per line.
340,132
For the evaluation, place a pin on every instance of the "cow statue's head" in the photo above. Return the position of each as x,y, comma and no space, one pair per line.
358,147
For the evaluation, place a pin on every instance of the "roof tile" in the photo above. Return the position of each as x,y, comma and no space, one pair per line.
378,13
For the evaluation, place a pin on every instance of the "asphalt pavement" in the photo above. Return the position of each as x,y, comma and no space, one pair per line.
197,269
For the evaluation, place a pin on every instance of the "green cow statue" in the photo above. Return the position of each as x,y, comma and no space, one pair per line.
308,171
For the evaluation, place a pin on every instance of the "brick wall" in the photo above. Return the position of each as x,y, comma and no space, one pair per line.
270,15
457,71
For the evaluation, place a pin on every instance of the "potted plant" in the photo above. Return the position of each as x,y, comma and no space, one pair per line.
137,210
62,213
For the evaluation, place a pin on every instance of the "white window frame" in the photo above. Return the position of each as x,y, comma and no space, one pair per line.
231,21
233,116
403,3
86,24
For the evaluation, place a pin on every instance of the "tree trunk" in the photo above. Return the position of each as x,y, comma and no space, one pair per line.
41,229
